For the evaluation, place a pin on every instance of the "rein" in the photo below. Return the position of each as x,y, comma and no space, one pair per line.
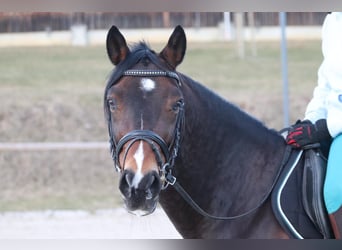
199,210
170,152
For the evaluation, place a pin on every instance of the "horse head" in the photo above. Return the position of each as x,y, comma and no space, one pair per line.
143,105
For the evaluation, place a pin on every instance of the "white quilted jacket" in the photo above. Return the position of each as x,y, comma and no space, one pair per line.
327,98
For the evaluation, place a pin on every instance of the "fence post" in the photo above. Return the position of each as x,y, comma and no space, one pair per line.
282,21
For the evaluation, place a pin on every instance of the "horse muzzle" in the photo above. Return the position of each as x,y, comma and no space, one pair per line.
140,193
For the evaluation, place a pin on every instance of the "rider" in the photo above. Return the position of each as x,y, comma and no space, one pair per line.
323,117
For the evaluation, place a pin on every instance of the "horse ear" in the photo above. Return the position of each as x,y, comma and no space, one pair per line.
117,48
174,51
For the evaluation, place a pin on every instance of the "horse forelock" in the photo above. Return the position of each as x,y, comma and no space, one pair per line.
138,51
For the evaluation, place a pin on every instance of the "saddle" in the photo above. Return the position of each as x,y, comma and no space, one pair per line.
297,199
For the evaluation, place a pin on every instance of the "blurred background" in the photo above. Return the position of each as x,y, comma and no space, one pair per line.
53,71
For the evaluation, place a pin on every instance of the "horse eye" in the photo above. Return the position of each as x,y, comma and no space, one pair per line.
112,105
178,105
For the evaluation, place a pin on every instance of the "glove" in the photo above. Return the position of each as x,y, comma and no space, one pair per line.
304,133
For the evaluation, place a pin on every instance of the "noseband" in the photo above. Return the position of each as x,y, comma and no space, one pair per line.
169,152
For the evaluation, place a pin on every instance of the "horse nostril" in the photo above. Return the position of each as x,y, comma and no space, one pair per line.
154,186
149,194
150,185
155,183
152,179
128,179
125,183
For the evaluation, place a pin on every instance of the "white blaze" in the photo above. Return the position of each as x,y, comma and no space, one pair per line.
139,159
147,84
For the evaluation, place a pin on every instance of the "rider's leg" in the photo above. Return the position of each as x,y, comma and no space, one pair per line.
333,186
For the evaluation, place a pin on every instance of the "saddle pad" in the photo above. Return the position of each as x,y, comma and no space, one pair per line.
287,201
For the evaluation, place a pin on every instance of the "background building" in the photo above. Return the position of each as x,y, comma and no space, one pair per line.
53,21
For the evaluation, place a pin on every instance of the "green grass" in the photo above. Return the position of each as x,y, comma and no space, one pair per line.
55,94
61,66
255,83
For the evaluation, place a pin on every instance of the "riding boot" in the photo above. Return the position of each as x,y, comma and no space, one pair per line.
336,222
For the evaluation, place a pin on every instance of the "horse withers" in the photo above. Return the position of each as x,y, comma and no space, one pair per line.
211,166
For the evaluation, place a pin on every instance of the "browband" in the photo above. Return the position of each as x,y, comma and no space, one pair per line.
152,73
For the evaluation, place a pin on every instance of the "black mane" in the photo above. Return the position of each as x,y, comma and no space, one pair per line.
224,112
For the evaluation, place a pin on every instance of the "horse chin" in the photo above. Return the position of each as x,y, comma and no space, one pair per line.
144,209
141,213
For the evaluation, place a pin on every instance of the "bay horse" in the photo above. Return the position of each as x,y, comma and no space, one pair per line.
166,129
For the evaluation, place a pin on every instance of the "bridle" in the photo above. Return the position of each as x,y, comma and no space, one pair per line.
156,142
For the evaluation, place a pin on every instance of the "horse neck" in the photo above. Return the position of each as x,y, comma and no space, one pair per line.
223,150
214,126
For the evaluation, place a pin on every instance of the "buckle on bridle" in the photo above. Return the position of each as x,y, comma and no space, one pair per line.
170,179
166,176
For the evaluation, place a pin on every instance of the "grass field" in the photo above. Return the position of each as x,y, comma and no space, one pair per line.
55,94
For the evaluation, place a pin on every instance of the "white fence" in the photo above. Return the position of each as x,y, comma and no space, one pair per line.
207,34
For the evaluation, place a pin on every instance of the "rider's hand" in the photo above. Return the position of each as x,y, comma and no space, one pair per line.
304,133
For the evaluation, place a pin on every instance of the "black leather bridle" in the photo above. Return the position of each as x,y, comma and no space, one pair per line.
156,142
